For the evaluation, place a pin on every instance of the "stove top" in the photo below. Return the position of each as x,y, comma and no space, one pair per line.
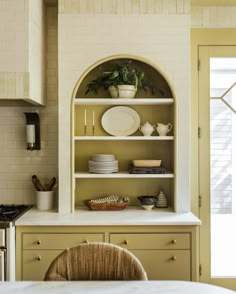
9,213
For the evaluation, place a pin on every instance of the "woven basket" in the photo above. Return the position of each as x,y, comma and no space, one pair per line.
106,206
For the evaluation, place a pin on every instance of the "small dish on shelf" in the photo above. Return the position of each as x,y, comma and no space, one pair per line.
147,207
146,163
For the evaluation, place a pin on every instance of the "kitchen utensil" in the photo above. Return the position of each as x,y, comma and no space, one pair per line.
51,184
37,184
44,200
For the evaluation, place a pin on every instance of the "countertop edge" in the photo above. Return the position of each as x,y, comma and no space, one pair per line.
132,217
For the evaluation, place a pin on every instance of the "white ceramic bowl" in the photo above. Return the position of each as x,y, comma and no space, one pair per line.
148,207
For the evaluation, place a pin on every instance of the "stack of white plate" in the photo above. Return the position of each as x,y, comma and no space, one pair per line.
103,164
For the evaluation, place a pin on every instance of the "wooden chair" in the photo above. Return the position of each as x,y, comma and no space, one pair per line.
95,261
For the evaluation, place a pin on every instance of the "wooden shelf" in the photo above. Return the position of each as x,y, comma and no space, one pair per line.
125,138
121,101
121,175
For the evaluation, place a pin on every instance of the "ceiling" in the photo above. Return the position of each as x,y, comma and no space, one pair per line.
193,2
213,2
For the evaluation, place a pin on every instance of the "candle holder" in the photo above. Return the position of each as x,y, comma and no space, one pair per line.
33,131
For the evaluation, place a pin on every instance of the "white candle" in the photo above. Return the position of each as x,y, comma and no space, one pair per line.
30,133
85,117
93,118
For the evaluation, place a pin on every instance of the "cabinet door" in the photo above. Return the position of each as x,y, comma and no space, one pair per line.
165,264
36,262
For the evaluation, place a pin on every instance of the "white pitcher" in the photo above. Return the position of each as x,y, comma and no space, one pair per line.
147,129
163,130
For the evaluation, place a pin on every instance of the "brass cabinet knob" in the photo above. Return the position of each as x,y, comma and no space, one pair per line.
173,241
38,258
38,242
173,258
86,241
126,242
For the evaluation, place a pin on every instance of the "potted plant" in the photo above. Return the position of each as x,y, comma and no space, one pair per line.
122,81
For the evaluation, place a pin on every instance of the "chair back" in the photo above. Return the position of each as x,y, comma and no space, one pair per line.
95,261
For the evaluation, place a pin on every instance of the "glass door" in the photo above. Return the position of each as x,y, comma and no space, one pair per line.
217,164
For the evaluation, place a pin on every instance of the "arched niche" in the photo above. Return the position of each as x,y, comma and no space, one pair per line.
151,72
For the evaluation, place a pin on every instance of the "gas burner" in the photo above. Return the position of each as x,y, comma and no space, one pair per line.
12,212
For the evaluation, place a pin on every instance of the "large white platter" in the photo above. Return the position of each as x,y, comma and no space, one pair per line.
120,121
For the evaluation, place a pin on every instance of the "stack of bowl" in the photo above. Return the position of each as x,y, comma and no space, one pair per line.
103,164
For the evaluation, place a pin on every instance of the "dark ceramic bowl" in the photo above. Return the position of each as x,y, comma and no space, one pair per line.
147,200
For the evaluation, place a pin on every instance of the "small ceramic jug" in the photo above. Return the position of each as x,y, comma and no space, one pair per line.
147,129
163,130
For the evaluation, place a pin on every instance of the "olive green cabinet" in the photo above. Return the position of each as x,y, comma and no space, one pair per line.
166,252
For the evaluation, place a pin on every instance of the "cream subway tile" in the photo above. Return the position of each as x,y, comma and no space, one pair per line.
233,16
3,185
27,184
52,160
3,196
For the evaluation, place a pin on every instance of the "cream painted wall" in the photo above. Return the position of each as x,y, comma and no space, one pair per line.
86,38
17,164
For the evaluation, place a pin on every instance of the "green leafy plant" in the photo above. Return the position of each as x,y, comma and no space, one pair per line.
124,73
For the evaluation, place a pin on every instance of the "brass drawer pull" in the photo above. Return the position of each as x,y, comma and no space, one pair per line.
38,258
173,242
85,241
173,258
126,242
38,242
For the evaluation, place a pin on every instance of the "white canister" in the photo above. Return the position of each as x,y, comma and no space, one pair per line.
44,200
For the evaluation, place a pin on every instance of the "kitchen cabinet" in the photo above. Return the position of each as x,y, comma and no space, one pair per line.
95,139
22,54
166,252
39,249
165,256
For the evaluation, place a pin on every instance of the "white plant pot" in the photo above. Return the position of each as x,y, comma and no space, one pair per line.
123,91
44,200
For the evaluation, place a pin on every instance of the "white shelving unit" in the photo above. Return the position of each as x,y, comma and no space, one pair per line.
122,175
123,138
122,101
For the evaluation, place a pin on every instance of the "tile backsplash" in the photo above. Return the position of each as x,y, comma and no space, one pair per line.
17,163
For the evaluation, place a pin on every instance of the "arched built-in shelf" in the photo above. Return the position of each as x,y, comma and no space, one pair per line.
155,109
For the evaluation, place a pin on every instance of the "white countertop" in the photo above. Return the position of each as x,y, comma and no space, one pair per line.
126,287
126,217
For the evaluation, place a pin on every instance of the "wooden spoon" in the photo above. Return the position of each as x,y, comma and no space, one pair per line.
37,184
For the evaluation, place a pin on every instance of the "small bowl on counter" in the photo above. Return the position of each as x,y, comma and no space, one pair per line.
147,201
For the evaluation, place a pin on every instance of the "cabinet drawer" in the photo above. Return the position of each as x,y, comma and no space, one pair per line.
58,241
36,262
165,264
151,241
